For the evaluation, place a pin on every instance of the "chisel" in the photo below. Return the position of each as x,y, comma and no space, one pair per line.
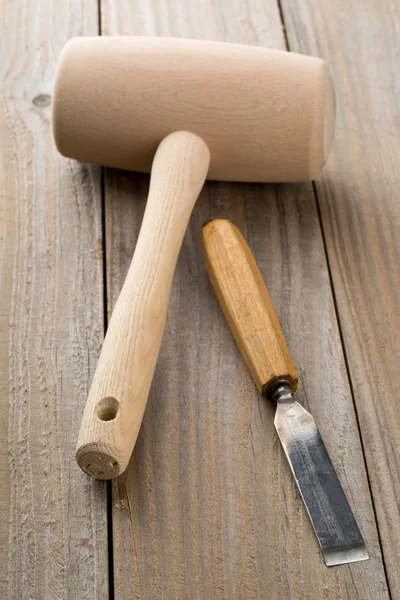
248,309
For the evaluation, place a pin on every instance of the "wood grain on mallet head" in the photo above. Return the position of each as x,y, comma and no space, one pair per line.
266,115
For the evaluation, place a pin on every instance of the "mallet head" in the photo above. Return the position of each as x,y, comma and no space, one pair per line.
266,115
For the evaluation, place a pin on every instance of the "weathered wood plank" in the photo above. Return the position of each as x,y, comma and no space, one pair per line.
358,195
53,518
208,507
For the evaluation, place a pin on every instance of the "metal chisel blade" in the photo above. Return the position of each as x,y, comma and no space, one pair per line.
331,516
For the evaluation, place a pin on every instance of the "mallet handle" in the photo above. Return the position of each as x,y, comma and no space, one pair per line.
121,384
246,303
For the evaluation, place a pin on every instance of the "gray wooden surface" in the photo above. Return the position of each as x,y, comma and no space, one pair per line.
358,195
207,508
53,526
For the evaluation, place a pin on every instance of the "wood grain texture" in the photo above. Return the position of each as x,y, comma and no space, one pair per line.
121,384
53,529
207,507
247,305
161,85
358,195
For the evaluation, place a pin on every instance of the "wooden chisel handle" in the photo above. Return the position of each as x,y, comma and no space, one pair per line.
247,305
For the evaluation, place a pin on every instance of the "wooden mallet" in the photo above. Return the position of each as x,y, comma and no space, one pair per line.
165,106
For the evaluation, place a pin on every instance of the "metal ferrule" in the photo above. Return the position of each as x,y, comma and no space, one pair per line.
281,391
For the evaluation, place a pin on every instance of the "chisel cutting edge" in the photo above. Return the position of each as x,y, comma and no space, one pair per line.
251,316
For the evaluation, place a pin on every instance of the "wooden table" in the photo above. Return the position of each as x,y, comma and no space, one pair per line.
208,508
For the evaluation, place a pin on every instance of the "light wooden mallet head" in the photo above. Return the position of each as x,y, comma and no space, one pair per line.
167,105
265,115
